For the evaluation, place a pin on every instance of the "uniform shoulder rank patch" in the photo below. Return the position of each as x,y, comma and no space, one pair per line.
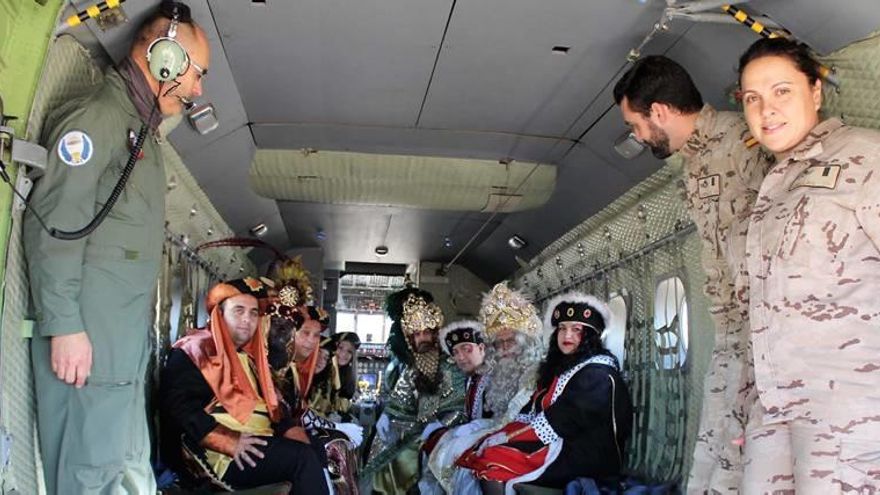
709,186
821,176
75,148
750,141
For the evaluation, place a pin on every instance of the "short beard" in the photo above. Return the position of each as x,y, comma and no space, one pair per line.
425,347
659,142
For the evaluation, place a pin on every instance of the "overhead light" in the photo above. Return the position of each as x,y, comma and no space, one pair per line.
321,235
381,250
259,230
516,242
628,146
447,242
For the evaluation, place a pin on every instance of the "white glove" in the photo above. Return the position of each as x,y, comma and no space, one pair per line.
383,426
431,428
354,432
491,441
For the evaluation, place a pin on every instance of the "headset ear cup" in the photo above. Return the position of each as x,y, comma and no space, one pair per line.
167,59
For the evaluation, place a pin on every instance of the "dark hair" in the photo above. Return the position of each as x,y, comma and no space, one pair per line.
280,342
348,380
795,52
658,79
556,363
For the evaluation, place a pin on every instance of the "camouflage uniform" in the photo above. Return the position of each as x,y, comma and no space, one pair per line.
723,170
814,265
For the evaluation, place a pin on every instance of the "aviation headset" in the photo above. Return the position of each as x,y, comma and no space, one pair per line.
166,57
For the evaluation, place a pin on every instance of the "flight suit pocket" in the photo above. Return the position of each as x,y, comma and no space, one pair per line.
109,422
858,466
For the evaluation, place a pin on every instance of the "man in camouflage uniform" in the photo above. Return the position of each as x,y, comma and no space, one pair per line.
93,296
814,260
723,172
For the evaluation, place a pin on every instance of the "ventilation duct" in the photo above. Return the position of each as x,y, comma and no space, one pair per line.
434,183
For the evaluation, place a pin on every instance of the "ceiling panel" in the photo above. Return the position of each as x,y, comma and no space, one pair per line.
825,26
353,232
332,60
385,140
497,70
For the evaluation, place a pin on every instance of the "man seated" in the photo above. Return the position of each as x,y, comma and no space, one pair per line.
463,341
429,390
219,407
499,387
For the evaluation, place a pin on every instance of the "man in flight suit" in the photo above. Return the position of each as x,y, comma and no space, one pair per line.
723,170
93,296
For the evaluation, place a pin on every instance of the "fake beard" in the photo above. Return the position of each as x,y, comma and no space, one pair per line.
428,371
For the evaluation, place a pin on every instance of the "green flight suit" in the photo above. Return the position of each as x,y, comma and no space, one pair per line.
94,440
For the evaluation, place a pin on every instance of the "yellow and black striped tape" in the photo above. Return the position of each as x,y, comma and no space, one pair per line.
749,22
92,12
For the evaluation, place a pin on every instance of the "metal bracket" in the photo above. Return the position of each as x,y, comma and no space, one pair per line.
14,150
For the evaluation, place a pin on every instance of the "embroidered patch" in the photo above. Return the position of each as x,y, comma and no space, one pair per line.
823,176
709,186
75,148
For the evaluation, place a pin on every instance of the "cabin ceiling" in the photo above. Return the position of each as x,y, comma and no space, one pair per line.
459,79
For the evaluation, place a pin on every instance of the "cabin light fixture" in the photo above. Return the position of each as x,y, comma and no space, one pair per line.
628,146
321,235
381,250
259,230
447,242
516,242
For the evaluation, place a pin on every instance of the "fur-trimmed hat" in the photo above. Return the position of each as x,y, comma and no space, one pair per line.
460,332
577,307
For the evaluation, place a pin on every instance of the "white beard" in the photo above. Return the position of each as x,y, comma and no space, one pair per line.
506,378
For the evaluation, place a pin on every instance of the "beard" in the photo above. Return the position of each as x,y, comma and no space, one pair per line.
506,379
424,347
659,142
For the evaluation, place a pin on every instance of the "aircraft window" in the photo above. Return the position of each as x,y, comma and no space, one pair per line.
671,324
371,328
615,339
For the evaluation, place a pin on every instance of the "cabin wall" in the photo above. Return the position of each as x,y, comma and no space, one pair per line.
667,392
25,31
458,292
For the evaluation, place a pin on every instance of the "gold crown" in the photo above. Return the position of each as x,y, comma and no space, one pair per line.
506,308
419,315
293,282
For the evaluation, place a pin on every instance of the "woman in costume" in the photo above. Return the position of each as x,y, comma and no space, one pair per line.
347,345
579,417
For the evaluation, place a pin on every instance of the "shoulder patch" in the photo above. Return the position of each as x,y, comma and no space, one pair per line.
821,176
75,148
750,141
